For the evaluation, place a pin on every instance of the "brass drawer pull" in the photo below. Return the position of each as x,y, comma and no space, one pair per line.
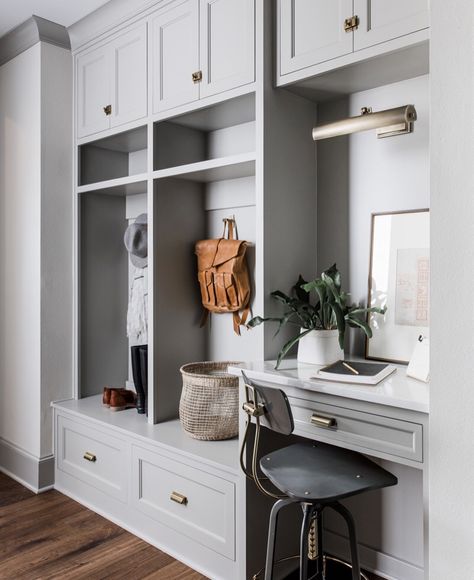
90,456
178,498
320,421
107,110
197,76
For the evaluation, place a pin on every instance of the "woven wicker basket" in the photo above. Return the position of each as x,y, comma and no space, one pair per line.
209,405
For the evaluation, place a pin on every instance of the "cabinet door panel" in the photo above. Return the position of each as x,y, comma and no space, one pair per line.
312,31
382,20
227,44
129,53
93,91
175,55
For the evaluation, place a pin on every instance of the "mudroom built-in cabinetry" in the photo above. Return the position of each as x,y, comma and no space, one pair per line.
316,37
111,82
179,115
200,49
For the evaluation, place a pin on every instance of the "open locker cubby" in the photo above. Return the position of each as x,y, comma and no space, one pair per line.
209,144
105,276
119,156
204,172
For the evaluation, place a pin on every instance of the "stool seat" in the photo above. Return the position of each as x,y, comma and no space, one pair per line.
323,473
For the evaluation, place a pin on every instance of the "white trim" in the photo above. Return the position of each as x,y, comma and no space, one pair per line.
30,32
381,564
34,473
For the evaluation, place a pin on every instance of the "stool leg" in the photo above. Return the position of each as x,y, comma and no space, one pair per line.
272,529
346,514
307,514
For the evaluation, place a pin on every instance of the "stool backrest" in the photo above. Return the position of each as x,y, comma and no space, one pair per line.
277,414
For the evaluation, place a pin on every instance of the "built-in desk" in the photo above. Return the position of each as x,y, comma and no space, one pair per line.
388,422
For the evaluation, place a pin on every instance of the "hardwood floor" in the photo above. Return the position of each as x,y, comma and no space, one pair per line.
50,536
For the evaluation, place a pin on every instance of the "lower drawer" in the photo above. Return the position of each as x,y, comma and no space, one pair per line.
92,456
369,432
192,502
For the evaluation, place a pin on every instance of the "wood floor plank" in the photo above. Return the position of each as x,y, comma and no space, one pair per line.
52,537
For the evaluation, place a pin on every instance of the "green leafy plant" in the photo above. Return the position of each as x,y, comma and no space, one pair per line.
328,310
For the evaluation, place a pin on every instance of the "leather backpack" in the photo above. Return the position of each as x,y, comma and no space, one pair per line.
223,276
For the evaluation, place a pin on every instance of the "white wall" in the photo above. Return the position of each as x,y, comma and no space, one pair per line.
56,238
35,252
20,250
452,340
361,174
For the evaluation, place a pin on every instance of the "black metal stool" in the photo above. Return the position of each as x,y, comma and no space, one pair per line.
314,475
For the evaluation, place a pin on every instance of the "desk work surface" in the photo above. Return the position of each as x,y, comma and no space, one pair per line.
397,390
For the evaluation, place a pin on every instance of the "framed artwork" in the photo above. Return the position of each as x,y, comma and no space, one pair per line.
399,278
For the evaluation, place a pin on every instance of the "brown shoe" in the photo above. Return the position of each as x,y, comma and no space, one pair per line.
107,394
121,399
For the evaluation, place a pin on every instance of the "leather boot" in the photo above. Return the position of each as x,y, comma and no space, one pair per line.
137,379
144,373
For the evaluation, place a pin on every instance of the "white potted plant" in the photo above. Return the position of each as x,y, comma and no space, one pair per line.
321,321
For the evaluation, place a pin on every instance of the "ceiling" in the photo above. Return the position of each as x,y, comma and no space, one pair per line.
65,12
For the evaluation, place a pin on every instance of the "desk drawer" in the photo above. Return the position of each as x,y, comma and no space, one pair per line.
369,432
92,456
192,502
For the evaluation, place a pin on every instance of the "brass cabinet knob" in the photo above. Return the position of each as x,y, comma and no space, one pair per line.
108,110
88,456
178,498
321,421
197,76
351,23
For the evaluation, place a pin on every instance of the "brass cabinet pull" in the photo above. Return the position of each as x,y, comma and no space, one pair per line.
197,76
321,421
351,23
90,456
108,110
178,498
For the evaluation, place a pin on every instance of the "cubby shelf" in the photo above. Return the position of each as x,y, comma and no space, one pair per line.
230,167
129,185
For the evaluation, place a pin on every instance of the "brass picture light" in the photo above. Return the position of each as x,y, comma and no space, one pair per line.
387,123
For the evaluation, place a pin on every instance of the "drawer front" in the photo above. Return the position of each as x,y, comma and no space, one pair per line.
192,502
92,456
364,430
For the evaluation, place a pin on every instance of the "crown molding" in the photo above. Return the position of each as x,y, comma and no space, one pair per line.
108,17
30,32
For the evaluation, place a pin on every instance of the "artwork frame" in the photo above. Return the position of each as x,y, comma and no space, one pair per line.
399,279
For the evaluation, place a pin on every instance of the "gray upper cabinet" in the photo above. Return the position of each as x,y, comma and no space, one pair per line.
93,91
112,83
312,32
382,20
175,55
201,48
227,45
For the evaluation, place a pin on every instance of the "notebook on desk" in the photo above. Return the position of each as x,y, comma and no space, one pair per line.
365,373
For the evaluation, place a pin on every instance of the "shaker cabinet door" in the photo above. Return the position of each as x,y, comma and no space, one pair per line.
129,72
93,91
175,55
312,31
382,20
227,39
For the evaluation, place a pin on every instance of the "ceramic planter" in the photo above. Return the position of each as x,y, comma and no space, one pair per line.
320,347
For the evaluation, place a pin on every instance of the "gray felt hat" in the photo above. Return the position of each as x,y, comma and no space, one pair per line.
136,242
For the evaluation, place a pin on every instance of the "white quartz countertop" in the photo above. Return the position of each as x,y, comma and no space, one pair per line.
397,390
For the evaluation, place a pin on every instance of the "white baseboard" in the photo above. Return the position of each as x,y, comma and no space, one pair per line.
383,565
36,474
